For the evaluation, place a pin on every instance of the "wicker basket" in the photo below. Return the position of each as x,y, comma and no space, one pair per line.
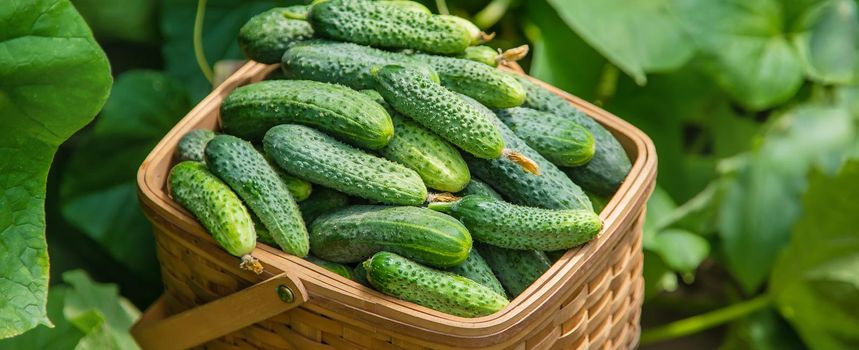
590,298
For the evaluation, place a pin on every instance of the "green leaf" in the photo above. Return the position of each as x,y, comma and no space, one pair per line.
816,279
99,311
829,50
762,199
681,250
102,201
53,80
657,276
637,36
659,208
130,20
749,52
762,330
63,336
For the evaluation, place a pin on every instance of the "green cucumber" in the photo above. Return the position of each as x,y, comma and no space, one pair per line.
525,228
560,140
551,190
382,25
355,233
360,275
217,208
298,188
344,63
321,201
267,35
316,157
406,5
610,164
599,202
476,269
487,85
482,54
478,187
192,144
477,36
250,175
334,267
439,110
442,291
249,111
516,269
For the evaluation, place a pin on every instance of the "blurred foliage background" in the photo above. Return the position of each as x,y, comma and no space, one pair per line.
751,104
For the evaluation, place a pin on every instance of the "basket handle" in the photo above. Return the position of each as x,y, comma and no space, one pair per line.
223,316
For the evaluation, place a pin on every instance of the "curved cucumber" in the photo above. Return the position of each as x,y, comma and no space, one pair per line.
344,63
516,269
357,232
559,139
267,35
476,269
377,24
316,157
251,176
321,201
478,187
249,111
487,85
217,208
551,190
443,291
526,228
192,144
439,110
339,269
609,165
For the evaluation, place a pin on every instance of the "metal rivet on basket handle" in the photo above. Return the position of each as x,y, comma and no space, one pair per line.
223,316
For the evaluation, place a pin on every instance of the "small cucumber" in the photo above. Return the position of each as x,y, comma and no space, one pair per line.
516,269
476,269
344,63
492,57
321,201
316,157
439,110
360,275
551,190
561,140
192,144
382,25
526,228
487,85
249,111
267,35
609,165
354,233
334,267
478,187
442,291
250,175
217,208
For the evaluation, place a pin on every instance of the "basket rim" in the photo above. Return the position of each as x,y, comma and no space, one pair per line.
366,304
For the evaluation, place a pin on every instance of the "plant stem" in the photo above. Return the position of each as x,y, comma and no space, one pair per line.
441,5
490,14
704,321
198,42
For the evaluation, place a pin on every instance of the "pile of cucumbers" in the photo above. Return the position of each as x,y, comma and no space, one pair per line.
396,154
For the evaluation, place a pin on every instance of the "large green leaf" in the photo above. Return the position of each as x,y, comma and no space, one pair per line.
761,202
99,311
829,49
816,280
99,191
637,36
53,80
63,336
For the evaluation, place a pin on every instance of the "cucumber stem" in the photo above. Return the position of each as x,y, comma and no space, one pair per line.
526,163
442,197
250,263
512,55
704,321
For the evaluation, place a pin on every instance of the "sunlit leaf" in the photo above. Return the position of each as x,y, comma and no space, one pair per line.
681,250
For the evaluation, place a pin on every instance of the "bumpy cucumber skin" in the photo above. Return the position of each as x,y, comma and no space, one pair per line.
192,144
489,86
551,190
478,187
609,165
355,233
344,63
525,228
321,201
339,269
249,111
476,269
374,24
267,35
562,141
406,5
316,157
482,54
516,269
250,175
473,31
442,291
298,188
439,110
215,205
